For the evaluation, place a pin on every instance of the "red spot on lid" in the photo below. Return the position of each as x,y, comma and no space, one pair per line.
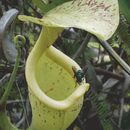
73,1
107,7
89,2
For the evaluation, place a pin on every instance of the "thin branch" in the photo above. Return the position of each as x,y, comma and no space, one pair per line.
121,111
108,73
110,50
10,70
14,101
37,13
80,123
5,79
13,25
22,104
82,47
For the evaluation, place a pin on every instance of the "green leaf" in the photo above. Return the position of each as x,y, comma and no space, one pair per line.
47,5
125,8
26,5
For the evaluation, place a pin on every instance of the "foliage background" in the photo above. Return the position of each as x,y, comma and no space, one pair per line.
106,105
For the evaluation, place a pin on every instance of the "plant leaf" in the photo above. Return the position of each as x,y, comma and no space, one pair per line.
125,8
99,17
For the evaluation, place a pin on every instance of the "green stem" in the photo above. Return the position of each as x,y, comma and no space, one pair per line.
5,124
6,94
16,42
13,25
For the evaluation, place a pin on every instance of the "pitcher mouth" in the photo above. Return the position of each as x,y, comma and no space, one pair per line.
41,95
53,86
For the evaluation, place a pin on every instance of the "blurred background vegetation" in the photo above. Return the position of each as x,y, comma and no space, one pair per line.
106,104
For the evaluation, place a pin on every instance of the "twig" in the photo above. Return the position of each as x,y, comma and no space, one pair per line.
80,123
10,70
20,122
13,25
117,127
121,111
22,103
82,47
37,13
110,50
14,101
5,79
65,32
108,73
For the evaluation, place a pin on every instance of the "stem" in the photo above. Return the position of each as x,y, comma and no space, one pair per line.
22,104
13,25
110,50
4,69
121,111
6,94
82,47
108,73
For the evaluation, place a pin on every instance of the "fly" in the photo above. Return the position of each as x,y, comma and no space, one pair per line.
79,74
